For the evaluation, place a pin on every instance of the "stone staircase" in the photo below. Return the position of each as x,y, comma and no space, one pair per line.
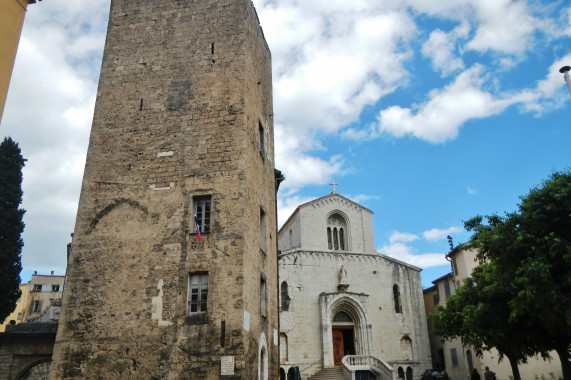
335,373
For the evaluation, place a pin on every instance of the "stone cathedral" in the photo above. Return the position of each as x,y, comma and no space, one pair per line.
173,270
344,306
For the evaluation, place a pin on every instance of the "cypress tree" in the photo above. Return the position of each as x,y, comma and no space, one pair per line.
11,225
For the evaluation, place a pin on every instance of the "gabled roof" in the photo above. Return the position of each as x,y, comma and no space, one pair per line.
447,275
333,194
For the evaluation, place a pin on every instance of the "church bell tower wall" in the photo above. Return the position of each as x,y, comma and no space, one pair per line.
182,127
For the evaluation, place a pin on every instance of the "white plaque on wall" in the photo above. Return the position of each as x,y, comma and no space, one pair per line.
227,365
246,321
275,337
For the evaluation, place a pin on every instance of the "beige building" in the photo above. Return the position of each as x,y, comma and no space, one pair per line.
22,306
173,268
43,290
459,360
12,14
36,296
344,305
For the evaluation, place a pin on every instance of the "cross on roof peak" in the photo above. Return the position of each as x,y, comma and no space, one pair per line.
334,184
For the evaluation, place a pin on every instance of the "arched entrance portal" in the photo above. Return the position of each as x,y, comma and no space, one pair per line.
346,326
343,330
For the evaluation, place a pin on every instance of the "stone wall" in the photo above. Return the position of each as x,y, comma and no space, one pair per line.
21,353
184,99
313,278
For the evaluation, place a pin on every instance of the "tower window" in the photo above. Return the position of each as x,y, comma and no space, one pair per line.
55,288
263,245
263,308
197,293
396,297
261,139
202,207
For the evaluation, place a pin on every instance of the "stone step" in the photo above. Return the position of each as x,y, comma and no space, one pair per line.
335,373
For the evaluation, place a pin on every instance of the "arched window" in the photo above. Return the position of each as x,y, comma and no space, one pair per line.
342,317
282,374
291,375
285,300
263,364
396,297
335,239
400,373
336,233
409,373
263,358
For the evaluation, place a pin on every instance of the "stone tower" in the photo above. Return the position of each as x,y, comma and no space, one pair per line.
173,269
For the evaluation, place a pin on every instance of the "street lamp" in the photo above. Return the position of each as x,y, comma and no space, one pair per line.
565,71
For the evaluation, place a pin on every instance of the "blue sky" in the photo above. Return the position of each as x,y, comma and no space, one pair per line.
427,113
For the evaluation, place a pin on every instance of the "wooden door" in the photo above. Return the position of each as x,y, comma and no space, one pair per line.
338,346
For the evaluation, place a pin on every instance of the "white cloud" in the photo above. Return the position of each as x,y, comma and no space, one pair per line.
440,118
472,191
402,237
436,234
504,26
440,47
404,253
48,112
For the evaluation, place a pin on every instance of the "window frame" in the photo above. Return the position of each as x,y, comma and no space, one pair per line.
263,297
36,306
263,232
201,301
204,218
284,296
396,299
454,357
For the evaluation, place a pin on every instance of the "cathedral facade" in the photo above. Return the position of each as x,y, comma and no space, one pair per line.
341,302
173,263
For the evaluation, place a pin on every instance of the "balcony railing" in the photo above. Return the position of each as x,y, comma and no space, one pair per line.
354,363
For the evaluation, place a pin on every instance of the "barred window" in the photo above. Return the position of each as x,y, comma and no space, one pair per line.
197,296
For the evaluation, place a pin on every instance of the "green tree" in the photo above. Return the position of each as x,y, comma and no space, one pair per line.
525,258
478,315
11,225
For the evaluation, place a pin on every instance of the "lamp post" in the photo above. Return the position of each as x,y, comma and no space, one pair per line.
565,71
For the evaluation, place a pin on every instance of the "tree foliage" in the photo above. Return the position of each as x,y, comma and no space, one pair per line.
11,225
523,284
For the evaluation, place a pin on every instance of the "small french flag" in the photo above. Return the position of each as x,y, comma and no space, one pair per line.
197,229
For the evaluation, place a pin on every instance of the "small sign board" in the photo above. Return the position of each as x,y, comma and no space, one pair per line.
227,365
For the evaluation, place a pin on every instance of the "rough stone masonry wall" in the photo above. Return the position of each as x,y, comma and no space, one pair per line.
184,86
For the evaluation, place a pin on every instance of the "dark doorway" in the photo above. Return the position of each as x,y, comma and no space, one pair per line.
365,375
343,343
